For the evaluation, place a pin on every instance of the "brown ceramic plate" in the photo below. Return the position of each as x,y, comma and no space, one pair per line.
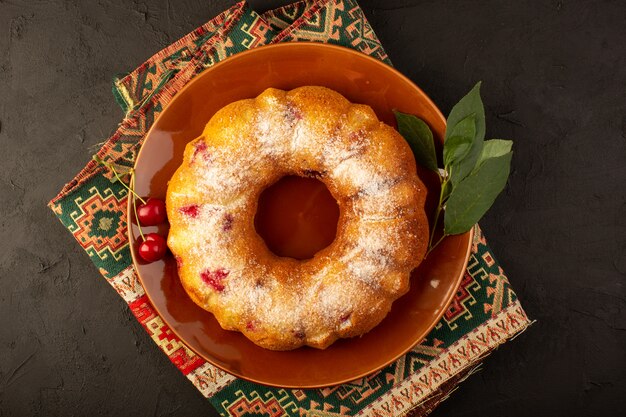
362,80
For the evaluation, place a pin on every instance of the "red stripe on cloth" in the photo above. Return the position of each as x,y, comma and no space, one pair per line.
162,335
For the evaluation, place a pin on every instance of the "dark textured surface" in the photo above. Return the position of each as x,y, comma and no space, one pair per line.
554,77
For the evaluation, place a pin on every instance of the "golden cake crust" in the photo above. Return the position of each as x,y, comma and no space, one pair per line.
348,287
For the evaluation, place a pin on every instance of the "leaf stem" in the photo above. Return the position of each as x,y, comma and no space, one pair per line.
444,183
444,177
432,247
432,231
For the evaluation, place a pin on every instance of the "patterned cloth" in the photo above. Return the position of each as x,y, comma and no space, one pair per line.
485,311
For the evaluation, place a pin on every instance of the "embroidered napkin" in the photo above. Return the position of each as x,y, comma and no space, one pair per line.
485,311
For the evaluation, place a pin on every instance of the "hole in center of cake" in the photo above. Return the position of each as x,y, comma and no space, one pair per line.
297,217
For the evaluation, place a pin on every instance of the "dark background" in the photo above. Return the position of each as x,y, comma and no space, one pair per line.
554,77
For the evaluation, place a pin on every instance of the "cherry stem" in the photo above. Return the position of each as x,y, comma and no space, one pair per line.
131,172
133,194
132,183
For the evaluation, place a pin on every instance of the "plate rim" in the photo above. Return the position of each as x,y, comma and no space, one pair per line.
131,238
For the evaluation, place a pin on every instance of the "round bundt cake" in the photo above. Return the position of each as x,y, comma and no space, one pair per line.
345,289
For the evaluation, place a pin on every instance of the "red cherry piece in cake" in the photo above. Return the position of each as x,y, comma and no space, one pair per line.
215,278
179,261
293,114
192,210
201,150
228,222
250,326
152,212
153,248
345,317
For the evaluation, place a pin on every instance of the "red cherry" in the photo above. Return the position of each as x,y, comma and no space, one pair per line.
153,248
153,236
152,212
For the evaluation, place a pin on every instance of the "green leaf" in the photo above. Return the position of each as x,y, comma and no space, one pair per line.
472,197
420,138
468,105
493,148
456,147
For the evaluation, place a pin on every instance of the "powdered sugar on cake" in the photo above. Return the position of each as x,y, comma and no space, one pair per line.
353,172
369,259
279,304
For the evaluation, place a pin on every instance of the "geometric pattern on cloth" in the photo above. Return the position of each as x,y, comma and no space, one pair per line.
485,311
